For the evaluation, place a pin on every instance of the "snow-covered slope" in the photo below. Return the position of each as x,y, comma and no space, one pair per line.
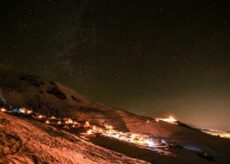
54,99
24,141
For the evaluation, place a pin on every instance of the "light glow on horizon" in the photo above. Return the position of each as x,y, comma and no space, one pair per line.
215,132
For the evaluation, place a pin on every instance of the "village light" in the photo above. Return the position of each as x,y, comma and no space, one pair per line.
108,130
69,121
3,109
40,116
29,111
86,125
52,117
137,139
89,132
22,110
169,119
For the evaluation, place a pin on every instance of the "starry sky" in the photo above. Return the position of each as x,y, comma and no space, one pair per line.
153,58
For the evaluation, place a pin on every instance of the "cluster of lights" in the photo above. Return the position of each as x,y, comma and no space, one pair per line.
154,144
66,122
157,145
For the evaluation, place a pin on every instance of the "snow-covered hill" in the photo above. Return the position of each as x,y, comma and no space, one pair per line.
36,141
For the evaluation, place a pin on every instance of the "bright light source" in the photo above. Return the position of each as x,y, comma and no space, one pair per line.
3,109
29,111
22,110
169,119
137,139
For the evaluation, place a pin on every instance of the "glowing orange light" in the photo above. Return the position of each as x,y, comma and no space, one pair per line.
108,130
87,124
68,121
52,117
89,132
22,110
169,119
29,111
40,116
220,133
138,139
3,109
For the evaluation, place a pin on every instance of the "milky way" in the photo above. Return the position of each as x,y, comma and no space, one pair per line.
151,58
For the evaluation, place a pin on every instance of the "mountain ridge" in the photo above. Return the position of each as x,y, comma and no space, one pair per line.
54,99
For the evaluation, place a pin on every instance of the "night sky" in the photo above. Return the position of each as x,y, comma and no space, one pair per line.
152,58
